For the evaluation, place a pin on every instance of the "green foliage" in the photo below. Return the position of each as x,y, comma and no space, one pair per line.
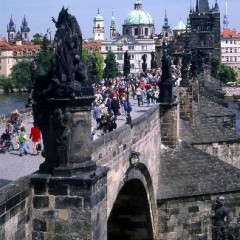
87,56
21,75
6,84
37,41
223,72
111,66
44,58
227,74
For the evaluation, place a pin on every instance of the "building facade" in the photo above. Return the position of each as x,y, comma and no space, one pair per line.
137,39
230,48
11,54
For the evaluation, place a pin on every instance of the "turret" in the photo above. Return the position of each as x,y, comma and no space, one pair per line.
11,30
25,29
98,27
112,26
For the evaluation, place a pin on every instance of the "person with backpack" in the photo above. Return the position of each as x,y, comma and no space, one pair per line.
22,141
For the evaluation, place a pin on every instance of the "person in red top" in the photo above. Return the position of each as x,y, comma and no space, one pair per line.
35,135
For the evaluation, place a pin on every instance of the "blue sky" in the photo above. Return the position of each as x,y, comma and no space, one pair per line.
39,13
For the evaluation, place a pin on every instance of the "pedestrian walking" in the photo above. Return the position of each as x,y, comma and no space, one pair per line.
22,141
35,135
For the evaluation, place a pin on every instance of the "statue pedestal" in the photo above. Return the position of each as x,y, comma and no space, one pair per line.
66,137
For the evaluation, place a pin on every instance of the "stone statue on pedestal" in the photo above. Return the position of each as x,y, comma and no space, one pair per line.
62,100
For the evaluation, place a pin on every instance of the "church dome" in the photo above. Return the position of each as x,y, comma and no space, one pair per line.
138,15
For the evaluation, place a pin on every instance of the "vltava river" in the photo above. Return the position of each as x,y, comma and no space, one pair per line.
12,101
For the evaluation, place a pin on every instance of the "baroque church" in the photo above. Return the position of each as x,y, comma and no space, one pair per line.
137,37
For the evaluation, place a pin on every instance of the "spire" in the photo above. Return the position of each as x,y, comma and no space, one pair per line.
216,7
10,26
225,17
24,27
166,25
197,6
113,23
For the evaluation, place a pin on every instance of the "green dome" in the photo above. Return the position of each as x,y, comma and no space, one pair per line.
98,17
138,16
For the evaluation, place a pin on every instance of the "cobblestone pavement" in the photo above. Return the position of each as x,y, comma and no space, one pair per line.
13,166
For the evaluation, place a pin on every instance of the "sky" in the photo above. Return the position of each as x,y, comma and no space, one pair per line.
39,13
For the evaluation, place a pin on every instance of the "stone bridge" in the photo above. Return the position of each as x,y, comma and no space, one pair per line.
155,180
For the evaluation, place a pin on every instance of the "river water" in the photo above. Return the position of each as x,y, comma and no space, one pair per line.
12,101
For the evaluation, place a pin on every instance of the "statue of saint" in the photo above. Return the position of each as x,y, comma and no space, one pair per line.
166,66
126,64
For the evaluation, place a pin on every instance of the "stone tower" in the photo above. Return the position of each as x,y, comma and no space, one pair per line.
11,30
205,28
25,29
98,27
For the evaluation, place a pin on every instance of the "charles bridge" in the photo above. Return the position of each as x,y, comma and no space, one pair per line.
158,178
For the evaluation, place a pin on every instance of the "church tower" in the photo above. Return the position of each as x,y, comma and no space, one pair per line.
98,27
25,29
167,33
113,28
11,30
225,17
205,28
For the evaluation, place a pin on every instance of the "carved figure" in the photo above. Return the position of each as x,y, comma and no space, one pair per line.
144,64
166,66
222,218
63,134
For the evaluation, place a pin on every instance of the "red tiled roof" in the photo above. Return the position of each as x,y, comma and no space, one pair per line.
92,44
4,45
230,33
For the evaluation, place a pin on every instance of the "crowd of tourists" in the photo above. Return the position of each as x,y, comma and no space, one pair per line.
112,99
15,137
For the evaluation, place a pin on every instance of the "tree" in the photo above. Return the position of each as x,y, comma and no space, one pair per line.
223,72
111,66
45,57
227,74
21,75
6,84
88,55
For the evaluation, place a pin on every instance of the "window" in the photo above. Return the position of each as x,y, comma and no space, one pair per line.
136,31
108,48
132,56
146,31
226,41
119,48
130,48
127,31
132,66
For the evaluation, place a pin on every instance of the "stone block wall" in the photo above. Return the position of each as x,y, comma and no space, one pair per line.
191,218
15,212
226,151
113,150
69,208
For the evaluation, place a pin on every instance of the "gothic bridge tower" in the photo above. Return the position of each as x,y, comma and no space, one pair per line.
205,27
25,29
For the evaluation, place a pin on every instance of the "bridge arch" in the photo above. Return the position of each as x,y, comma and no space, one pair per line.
131,216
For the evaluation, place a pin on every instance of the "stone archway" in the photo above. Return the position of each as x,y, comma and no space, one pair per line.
130,217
